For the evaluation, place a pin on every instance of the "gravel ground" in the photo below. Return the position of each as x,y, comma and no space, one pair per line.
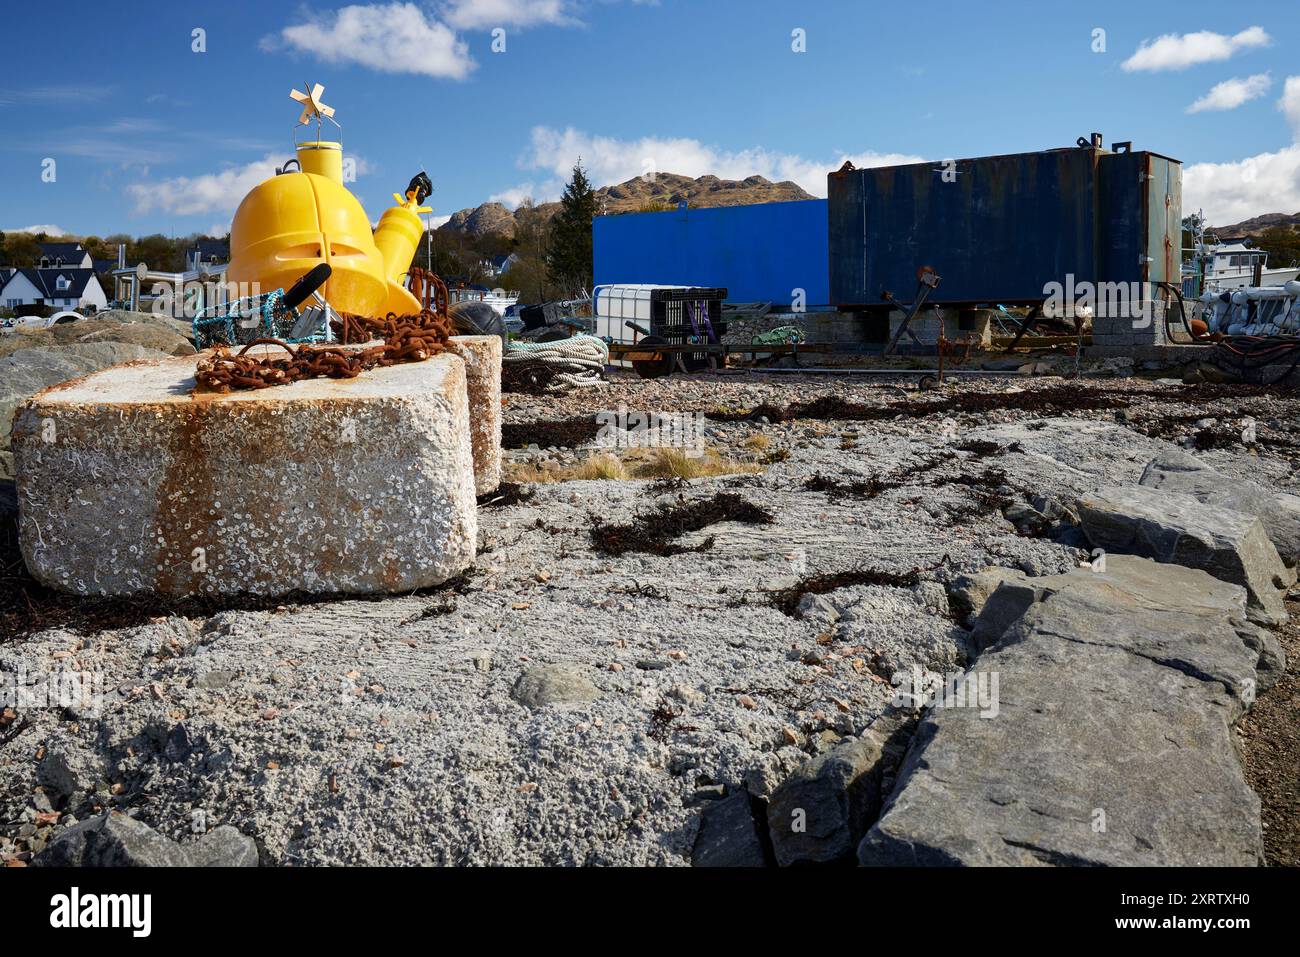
563,706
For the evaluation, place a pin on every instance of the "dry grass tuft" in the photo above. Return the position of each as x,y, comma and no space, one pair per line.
604,466
676,463
657,464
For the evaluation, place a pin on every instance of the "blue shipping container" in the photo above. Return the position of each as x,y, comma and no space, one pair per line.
1001,228
759,253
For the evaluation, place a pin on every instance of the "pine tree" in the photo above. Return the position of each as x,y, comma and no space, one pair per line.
569,259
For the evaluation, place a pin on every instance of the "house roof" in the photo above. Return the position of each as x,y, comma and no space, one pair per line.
69,252
210,248
46,281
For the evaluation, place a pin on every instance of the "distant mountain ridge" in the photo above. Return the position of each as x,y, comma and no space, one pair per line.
665,189
1257,224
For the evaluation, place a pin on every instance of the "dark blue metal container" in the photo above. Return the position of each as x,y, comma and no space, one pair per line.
1000,229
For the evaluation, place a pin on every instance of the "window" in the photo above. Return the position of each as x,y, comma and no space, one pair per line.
62,283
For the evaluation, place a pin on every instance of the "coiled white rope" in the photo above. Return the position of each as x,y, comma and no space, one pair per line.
576,362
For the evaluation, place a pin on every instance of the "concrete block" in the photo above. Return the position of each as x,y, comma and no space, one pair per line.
482,355
129,482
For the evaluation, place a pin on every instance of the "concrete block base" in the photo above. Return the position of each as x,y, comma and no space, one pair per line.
957,324
482,355
127,482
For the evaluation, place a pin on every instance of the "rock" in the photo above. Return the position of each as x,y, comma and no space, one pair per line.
819,813
555,684
326,486
116,840
164,339
968,593
1208,372
223,846
1112,742
177,747
482,356
1027,519
184,328
1055,510
687,695
1178,529
711,792
1176,471
26,371
111,840
728,836
818,608
933,596
66,769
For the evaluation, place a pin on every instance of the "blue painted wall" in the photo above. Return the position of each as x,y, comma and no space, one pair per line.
760,252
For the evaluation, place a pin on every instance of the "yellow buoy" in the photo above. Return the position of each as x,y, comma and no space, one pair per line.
299,218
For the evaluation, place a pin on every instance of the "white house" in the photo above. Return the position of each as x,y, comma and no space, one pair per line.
498,264
57,287
64,254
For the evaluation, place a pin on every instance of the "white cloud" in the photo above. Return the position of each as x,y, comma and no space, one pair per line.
437,221
1290,103
1265,183
1231,192
217,230
391,38
219,192
45,228
609,160
515,195
1174,51
1230,94
207,193
476,14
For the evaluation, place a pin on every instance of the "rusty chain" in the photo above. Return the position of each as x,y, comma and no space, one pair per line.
404,339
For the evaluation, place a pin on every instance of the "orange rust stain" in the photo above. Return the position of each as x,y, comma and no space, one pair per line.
183,522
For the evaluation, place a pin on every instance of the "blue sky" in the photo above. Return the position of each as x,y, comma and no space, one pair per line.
148,135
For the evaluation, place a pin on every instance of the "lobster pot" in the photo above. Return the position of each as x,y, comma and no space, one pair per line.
674,315
240,322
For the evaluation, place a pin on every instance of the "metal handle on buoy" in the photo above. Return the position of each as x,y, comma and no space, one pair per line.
301,291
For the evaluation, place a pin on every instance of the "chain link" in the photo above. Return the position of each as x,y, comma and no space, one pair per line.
404,339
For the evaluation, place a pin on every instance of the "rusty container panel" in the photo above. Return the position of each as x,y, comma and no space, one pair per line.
998,229
1142,200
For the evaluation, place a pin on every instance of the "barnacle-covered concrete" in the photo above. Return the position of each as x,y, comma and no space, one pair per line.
130,482
482,355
